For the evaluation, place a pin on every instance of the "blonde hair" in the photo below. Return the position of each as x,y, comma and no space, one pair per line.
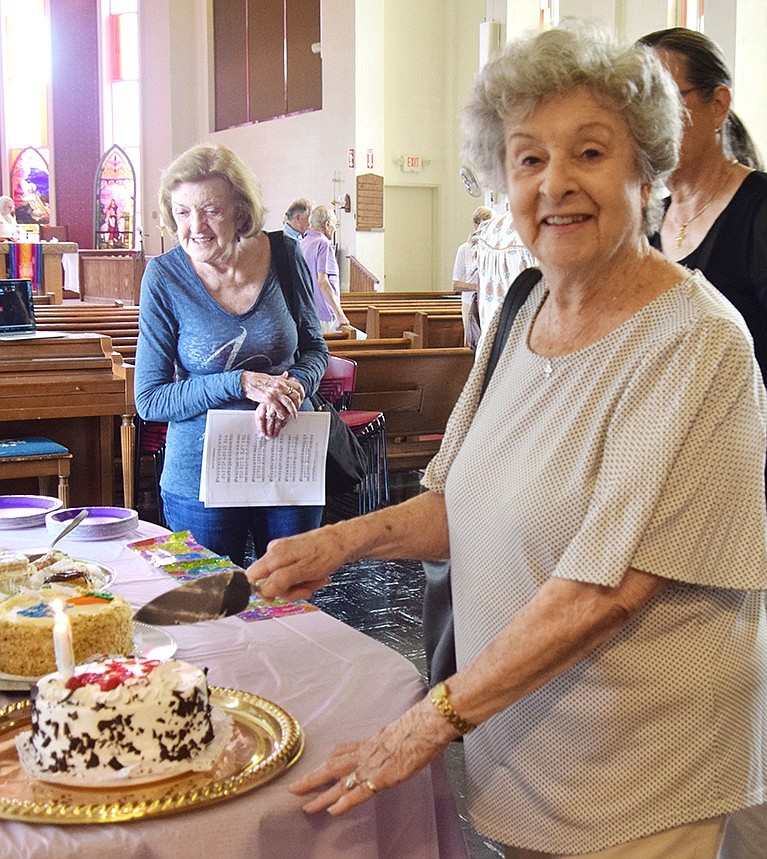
207,160
481,213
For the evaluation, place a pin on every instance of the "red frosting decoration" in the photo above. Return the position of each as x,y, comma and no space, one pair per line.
115,675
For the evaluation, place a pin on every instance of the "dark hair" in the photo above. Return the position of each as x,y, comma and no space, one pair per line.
706,69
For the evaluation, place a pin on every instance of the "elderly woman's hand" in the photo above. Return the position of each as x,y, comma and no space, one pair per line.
282,394
360,769
295,567
279,399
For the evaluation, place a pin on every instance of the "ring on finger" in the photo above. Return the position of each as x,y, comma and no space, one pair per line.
351,781
370,786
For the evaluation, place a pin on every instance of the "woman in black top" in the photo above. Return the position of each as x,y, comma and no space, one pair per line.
716,216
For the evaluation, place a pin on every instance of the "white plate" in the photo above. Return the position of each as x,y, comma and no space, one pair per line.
101,523
25,511
151,642
12,586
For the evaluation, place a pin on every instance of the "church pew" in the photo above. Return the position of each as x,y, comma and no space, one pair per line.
391,322
438,331
416,390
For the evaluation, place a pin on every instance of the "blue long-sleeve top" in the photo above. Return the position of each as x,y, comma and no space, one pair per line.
191,353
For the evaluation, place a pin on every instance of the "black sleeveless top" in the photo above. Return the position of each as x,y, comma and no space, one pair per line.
733,257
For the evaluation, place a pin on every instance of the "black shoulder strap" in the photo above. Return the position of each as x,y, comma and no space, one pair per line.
515,298
280,258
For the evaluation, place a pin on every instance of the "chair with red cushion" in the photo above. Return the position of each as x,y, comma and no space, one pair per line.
337,386
150,443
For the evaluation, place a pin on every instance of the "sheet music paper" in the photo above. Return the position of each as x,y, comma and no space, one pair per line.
240,468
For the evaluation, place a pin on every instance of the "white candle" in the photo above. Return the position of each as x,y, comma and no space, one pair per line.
62,640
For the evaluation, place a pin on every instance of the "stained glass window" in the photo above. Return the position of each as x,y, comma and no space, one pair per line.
30,185
115,215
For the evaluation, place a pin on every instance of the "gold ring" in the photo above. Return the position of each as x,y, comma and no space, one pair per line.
370,786
351,781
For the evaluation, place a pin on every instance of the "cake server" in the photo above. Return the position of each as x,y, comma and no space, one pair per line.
70,526
205,598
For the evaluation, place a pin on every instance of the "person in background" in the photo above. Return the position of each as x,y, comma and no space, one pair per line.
296,220
716,215
9,229
500,256
602,504
320,255
216,331
465,276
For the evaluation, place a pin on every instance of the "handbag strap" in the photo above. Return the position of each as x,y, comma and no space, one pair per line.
515,298
280,260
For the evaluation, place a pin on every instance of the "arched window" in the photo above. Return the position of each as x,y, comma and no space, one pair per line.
114,213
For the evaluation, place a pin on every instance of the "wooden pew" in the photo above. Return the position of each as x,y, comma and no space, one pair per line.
391,321
438,331
422,297
111,274
416,390
352,348
120,324
355,304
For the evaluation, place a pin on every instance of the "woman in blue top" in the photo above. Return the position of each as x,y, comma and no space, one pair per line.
216,332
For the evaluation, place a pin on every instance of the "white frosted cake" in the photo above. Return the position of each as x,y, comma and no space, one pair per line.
121,718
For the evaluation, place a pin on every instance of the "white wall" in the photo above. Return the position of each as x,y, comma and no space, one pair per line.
395,76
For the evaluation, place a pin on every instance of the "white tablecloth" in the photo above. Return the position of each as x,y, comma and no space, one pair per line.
338,683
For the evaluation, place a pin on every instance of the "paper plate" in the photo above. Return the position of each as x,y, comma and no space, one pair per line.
101,523
25,511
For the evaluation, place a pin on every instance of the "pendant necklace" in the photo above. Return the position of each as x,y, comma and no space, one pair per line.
683,227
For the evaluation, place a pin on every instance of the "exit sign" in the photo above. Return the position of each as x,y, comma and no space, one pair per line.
412,164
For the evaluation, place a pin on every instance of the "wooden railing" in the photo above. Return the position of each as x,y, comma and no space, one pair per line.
360,279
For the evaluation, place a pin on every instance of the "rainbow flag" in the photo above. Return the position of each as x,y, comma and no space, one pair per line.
25,260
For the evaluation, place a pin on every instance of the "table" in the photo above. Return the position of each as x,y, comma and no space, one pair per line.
338,683
70,389
53,273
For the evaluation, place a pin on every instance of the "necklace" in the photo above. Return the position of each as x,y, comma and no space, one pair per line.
683,227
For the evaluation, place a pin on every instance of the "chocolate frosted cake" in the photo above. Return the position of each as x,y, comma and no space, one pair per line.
121,719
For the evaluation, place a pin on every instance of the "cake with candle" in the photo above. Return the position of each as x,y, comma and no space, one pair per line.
122,719
100,623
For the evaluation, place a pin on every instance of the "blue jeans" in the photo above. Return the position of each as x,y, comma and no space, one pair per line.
225,530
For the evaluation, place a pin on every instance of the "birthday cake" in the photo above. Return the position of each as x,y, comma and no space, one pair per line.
117,719
101,623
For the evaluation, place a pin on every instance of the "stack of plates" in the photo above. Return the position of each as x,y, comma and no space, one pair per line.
26,511
101,523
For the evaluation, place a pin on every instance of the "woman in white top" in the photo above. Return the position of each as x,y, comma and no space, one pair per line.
8,227
603,506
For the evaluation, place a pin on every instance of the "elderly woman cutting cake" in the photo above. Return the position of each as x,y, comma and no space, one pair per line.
602,506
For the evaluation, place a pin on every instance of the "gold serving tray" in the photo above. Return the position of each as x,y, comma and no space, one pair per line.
265,742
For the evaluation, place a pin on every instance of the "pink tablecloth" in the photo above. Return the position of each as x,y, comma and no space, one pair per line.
338,683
